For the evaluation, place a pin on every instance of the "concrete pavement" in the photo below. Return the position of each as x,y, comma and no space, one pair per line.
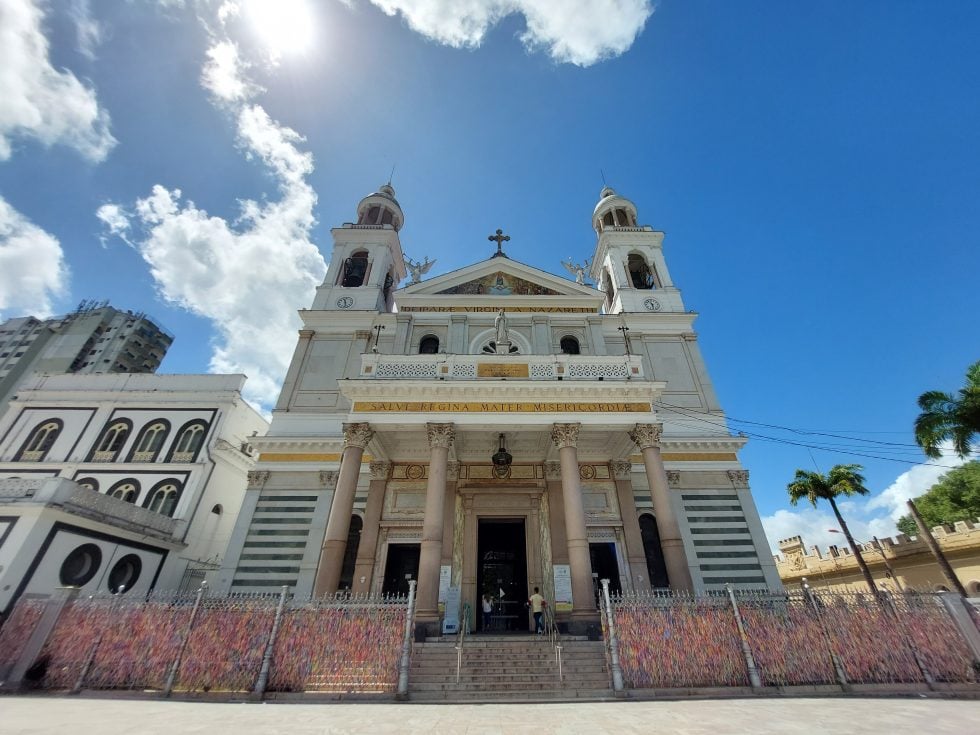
819,716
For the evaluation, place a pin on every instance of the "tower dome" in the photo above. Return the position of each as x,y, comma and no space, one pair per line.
381,208
613,210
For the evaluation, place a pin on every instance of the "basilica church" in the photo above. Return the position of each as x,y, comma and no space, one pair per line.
494,429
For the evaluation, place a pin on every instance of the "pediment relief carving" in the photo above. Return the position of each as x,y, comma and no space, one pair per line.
500,284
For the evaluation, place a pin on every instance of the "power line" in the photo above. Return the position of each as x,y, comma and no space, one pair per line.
778,440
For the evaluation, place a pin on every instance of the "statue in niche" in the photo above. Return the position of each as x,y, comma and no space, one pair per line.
500,324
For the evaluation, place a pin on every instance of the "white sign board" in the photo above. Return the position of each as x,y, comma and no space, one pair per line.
445,576
450,622
563,587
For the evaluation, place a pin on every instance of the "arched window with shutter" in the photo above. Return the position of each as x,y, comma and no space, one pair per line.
150,441
40,441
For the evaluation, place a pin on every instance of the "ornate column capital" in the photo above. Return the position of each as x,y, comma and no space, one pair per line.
440,435
673,478
565,435
621,468
357,435
328,478
552,470
452,470
739,478
257,478
380,470
647,435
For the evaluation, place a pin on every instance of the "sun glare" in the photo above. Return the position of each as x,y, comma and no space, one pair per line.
284,26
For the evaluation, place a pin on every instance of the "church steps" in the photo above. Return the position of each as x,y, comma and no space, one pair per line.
508,668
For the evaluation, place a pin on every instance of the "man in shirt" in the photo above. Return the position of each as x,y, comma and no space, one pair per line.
537,603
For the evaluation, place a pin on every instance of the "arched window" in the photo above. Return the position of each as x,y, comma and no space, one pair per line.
90,482
355,269
350,553
150,441
656,566
569,345
607,219
40,441
188,442
607,289
163,497
128,490
429,345
112,441
640,272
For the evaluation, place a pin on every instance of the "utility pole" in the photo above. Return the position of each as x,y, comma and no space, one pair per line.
944,566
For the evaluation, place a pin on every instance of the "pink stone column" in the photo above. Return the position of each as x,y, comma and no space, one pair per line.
441,437
364,566
356,437
565,437
647,438
621,471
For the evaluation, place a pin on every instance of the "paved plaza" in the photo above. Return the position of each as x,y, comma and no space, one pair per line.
690,717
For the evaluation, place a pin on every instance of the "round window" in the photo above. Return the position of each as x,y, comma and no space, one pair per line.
80,565
124,574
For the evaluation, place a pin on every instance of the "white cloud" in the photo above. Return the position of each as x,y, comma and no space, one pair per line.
88,31
38,100
579,32
875,515
224,74
32,266
248,276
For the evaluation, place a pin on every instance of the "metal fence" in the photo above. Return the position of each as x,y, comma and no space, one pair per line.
669,640
198,643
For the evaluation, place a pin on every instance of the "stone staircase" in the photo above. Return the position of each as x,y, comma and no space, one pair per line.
501,668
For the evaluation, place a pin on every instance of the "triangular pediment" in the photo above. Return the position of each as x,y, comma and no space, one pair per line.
499,283
499,277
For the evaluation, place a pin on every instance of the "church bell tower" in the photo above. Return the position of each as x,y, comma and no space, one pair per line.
367,261
628,264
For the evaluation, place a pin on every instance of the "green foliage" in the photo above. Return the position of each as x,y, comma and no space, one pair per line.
949,418
956,497
843,479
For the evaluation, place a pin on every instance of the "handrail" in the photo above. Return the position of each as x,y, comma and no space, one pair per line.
460,642
554,635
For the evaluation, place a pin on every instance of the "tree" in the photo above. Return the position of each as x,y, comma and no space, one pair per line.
843,480
956,497
946,417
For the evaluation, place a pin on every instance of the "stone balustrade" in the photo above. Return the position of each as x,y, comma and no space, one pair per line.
513,367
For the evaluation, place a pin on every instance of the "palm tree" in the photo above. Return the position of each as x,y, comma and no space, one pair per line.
945,417
842,480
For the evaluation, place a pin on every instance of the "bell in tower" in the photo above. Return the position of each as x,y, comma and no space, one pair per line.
628,264
367,261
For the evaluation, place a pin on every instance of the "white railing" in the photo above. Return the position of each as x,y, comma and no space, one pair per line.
511,367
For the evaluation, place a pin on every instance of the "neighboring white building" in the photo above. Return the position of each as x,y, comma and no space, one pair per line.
95,338
497,428
120,479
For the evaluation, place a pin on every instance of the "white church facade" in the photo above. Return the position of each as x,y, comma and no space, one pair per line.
498,428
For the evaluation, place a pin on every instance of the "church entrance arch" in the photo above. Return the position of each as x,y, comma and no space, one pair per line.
401,565
502,571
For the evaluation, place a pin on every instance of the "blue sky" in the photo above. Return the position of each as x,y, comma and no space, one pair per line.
815,167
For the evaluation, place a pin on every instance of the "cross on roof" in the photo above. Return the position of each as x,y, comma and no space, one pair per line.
500,238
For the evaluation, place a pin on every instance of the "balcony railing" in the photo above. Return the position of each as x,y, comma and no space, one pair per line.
512,367
31,456
144,456
104,456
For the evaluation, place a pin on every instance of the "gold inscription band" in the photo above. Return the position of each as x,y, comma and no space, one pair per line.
523,407
501,370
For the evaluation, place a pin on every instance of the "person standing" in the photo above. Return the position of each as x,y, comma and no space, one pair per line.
487,609
537,603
